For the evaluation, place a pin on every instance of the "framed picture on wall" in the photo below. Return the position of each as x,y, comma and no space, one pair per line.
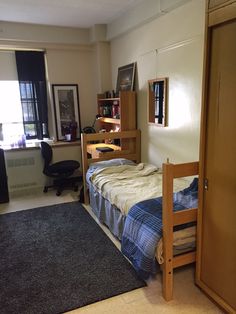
67,113
157,101
125,78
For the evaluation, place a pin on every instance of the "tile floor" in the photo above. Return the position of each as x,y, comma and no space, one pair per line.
187,297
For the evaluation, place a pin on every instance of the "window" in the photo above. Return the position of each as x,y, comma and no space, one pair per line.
30,111
33,95
23,97
11,120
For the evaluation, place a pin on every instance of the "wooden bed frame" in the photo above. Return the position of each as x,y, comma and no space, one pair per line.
171,219
131,150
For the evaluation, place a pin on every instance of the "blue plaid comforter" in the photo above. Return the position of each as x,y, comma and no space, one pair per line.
143,229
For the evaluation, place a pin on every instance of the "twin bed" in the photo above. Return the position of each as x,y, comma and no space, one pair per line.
140,204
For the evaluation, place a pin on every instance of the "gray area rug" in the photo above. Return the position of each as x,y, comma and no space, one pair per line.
56,258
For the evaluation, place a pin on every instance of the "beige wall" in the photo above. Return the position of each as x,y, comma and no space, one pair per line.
103,63
7,66
42,34
168,46
68,62
64,66
71,59
74,67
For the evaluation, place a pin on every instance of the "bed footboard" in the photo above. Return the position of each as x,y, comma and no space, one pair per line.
171,219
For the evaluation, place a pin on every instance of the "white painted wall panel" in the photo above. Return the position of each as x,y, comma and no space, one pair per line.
169,46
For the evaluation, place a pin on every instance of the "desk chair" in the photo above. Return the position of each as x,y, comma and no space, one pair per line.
61,171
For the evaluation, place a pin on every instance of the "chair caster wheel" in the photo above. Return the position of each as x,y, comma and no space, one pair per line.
58,193
45,189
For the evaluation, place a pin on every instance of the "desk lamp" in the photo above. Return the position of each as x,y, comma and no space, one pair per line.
90,129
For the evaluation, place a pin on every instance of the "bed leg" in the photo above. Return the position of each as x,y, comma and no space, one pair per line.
167,280
86,197
167,217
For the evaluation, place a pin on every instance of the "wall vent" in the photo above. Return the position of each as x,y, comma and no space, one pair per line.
20,162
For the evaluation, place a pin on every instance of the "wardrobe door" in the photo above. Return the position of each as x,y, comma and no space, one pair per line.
218,225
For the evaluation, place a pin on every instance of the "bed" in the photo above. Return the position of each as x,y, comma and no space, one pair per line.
126,153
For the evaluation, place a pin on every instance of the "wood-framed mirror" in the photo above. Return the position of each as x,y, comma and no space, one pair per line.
157,101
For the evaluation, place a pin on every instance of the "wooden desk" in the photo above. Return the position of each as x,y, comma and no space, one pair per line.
91,149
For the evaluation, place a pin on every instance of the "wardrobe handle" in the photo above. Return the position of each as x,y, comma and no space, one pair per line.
206,184
218,102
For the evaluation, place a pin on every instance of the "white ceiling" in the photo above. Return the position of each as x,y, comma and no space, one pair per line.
71,13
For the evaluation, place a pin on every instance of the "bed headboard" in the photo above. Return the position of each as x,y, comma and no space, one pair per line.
129,148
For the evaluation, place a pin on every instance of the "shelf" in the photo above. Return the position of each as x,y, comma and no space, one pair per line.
109,120
123,107
108,99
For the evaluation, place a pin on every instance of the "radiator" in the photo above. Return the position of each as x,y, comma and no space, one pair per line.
24,172
20,162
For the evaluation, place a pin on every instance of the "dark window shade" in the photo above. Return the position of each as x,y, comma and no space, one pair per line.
32,82
30,65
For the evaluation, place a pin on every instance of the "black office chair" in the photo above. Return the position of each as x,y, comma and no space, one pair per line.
61,171
88,130
91,129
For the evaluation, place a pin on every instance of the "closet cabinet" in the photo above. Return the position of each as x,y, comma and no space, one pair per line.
216,253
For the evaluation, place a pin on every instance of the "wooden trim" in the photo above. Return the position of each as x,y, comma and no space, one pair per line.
184,216
101,98
116,154
217,4
215,296
187,169
138,147
114,135
84,165
202,141
223,14
167,219
110,120
184,259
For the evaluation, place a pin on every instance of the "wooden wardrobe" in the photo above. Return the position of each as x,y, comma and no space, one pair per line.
216,254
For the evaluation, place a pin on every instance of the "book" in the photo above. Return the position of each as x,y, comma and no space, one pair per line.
104,149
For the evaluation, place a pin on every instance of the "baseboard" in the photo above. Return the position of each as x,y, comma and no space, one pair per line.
27,191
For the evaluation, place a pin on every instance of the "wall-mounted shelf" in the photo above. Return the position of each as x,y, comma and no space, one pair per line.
108,99
110,120
117,113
